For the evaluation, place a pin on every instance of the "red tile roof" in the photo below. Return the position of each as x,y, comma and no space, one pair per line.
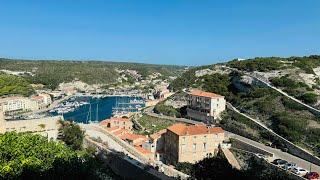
184,130
112,129
157,134
106,121
142,150
132,137
197,92
120,132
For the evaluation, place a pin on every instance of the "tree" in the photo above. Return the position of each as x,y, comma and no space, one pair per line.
71,134
29,156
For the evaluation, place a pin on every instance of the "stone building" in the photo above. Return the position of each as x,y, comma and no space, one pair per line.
155,144
191,143
205,106
114,122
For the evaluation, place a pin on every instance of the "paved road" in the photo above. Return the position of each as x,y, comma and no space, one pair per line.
278,153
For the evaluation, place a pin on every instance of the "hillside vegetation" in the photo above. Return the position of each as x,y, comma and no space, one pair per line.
306,63
51,73
284,116
10,84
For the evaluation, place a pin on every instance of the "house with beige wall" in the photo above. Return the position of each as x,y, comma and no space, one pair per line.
116,122
205,106
191,143
155,144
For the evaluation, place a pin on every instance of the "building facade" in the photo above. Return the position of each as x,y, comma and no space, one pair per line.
16,104
205,106
191,143
121,123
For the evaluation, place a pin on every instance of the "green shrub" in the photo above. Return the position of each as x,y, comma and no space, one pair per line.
10,84
309,98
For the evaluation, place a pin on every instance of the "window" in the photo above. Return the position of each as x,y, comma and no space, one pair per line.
205,138
183,148
194,147
183,139
205,146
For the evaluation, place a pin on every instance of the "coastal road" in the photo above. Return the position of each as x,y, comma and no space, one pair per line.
278,153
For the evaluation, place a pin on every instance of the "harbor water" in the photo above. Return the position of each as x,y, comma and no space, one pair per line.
98,109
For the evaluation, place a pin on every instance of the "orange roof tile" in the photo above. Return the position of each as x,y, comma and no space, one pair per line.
158,134
184,130
142,150
104,122
197,92
37,97
120,132
132,137
112,129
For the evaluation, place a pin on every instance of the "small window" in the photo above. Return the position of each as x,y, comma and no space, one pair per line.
205,146
194,147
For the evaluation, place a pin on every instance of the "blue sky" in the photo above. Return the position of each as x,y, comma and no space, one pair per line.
163,32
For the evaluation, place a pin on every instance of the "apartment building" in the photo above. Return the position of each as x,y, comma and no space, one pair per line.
42,100
191,143
16,104
205,106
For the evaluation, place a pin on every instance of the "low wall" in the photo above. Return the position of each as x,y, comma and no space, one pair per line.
199,116
236,143
118,163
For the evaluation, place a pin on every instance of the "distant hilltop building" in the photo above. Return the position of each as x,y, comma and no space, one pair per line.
205,106
191,143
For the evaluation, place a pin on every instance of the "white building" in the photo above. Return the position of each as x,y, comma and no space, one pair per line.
17,104
205,106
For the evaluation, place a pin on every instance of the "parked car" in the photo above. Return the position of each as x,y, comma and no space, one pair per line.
312,175
299,171
261,156
289,166
280,162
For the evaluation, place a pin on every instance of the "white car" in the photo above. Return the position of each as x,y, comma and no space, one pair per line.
289,166
261,156
299,171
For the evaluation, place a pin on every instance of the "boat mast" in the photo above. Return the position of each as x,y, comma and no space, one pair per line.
97,113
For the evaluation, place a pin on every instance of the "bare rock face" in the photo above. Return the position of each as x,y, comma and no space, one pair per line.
246,80
317,71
